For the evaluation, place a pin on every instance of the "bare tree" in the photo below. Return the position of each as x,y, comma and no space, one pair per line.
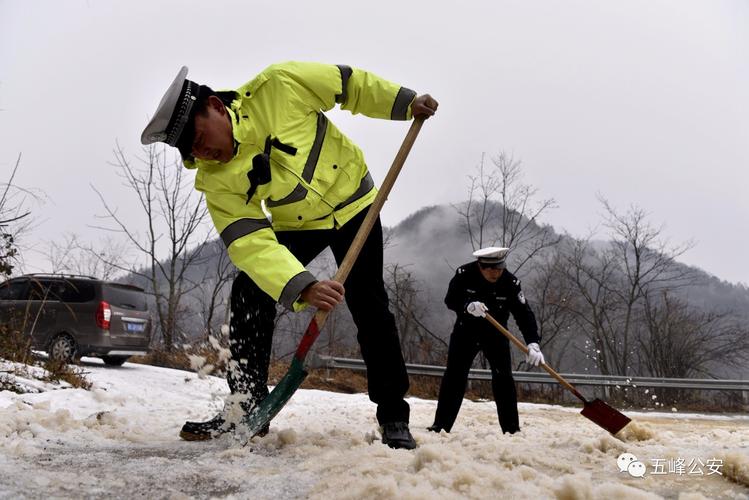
73,256
14,219
647,260
589,274
611,282
418,343
502,210
173,218
679,341
480,211
550,296
520,214
213,285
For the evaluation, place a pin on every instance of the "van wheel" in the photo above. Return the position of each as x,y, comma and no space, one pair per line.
114,360
63,348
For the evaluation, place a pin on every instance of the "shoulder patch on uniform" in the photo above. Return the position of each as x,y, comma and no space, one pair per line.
460,271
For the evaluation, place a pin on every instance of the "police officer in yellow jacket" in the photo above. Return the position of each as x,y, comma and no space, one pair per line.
268,148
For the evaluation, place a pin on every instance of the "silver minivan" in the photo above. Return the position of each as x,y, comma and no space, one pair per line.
70,316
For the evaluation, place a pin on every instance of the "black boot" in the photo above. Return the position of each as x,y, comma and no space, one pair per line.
435,428
211,429
397,435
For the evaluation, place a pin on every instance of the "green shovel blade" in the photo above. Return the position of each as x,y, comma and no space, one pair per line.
263,413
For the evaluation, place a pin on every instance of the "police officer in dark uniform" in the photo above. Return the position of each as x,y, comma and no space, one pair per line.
477,288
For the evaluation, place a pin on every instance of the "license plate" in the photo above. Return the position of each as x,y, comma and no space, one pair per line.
135,327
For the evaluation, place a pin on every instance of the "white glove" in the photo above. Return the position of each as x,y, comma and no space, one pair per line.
477,309
534,357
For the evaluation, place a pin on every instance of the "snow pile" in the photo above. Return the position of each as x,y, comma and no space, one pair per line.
21,378
121,439
737,467
635,431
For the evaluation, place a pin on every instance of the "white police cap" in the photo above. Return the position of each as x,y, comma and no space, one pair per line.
491,255
174,112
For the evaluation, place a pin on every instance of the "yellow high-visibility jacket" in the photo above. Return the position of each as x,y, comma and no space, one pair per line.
290,158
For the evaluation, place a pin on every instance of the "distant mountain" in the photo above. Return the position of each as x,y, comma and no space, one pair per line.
430,244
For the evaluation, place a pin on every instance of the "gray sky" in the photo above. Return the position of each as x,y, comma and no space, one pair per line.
644,101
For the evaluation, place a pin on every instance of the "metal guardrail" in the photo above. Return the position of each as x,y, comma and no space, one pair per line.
545,378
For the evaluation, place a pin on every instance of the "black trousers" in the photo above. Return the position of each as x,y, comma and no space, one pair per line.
464,346
254,311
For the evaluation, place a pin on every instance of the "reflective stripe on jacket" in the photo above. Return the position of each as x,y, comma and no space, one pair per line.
292,161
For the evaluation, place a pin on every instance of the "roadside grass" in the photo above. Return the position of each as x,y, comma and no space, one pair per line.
15,347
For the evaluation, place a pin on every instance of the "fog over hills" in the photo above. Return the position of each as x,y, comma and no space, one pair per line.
426,248
432,242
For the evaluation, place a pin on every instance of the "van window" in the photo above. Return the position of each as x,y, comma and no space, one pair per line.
124,296
12,290
77,291
39,290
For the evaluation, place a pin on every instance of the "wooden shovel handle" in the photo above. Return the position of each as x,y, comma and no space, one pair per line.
374,211
523,348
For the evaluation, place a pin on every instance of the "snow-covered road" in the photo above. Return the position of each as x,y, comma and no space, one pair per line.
120,440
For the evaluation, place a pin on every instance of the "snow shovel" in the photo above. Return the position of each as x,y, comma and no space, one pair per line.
596,411
264,411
